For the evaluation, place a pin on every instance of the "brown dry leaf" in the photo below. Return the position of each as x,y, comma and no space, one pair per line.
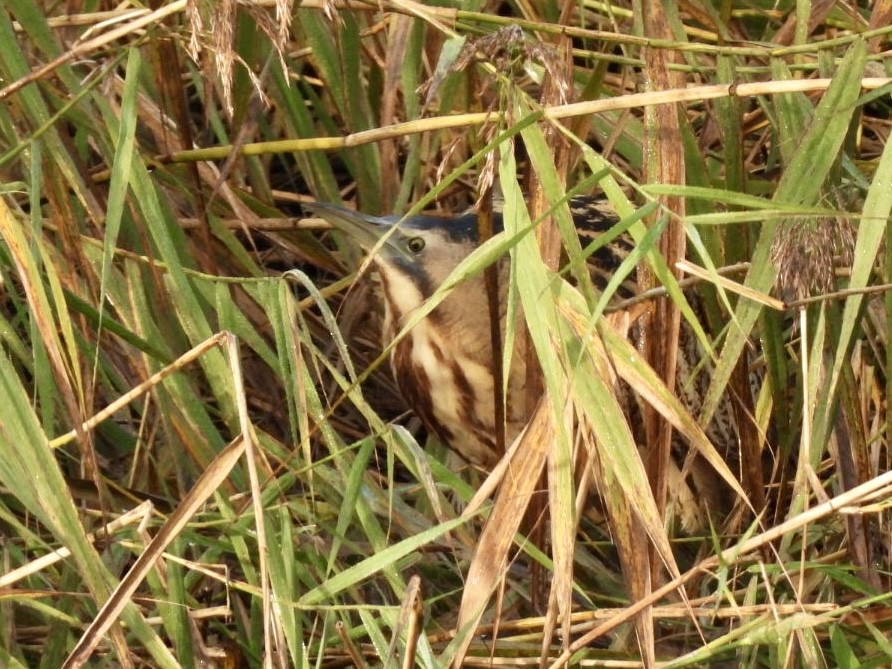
524,462
206,485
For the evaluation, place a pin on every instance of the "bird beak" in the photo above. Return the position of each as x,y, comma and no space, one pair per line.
368,231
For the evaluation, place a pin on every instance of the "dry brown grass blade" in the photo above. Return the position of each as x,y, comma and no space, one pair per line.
408,626
144,387
560,605
524,466
137,514
664,163
397,44
631,101
206,485
172,99
349,647
688,267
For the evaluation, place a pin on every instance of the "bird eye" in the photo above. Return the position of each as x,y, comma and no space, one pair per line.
415,245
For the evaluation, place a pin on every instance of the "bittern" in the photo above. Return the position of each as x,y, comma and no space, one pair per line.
443,366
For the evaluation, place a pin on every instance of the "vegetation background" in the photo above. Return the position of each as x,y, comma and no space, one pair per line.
153,159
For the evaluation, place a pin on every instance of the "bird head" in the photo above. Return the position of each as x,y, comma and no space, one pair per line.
413,255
